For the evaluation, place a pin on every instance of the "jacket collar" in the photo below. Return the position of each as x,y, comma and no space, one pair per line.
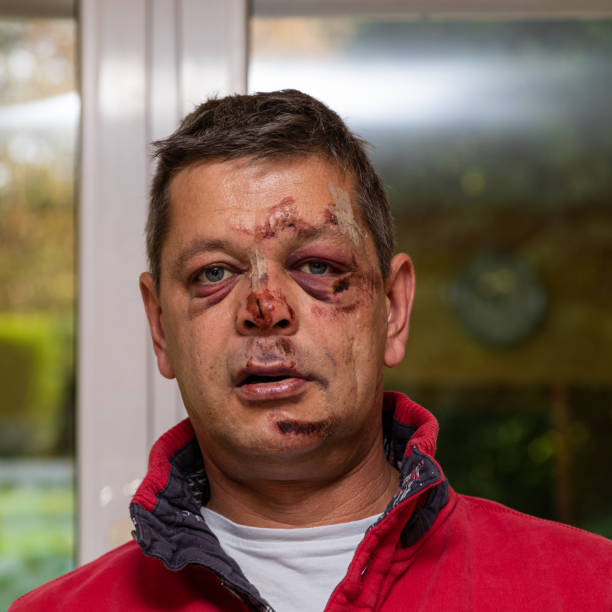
168,524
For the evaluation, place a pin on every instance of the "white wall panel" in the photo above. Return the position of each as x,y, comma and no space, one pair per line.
112,375
143,63
212,51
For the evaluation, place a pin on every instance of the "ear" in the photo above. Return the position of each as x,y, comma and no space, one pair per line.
399,288
154,315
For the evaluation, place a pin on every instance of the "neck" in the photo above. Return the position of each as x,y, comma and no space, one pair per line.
357,492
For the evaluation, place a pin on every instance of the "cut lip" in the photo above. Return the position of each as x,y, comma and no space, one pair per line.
256,384
266,374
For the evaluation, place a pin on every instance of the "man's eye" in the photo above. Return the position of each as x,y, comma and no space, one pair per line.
213,274
317,267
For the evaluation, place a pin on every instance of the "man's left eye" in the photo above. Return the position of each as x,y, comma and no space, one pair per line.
317,267
213,274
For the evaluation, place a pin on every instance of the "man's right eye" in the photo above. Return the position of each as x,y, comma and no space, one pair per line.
212,275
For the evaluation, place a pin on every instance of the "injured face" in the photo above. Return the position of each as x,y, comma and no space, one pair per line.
273,313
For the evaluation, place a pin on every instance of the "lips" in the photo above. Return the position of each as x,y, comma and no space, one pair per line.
257,374
261,383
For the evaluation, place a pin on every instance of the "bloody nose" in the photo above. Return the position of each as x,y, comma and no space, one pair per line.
265,311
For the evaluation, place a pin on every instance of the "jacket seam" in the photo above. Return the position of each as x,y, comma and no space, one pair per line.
537,519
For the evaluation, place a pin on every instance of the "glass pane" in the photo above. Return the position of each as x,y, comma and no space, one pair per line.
492,138
39,110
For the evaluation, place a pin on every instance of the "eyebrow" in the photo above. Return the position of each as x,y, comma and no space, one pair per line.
199,245
203,245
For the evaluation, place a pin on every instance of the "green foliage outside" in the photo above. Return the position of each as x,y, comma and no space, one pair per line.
35,374
36,536
36,245
36,309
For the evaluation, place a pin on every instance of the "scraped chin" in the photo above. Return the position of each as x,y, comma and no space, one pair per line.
299,428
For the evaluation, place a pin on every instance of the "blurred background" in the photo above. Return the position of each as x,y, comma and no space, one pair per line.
493,139
492,135
39,115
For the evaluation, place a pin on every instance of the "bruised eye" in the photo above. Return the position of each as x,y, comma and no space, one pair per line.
317,267
213,274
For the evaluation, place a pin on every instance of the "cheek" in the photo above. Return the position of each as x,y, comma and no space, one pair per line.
195,343
353,332
352,296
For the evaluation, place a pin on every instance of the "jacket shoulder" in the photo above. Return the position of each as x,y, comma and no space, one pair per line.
481,555
530,544
521,524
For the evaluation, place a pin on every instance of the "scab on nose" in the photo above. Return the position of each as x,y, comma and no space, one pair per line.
266,312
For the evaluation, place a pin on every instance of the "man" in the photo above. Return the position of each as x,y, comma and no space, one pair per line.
295,484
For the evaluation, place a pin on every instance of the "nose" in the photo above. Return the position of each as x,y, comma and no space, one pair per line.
266,312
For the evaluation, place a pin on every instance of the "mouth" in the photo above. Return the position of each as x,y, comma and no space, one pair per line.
255,379
265,384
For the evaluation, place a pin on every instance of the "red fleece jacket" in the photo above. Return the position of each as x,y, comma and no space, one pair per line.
433,550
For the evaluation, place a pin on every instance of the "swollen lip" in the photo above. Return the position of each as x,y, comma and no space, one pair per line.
273,389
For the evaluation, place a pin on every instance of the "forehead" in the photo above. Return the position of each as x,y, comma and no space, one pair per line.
245,191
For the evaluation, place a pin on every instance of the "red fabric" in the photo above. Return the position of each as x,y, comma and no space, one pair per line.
480,555
477,555
159,463
407,411
127,581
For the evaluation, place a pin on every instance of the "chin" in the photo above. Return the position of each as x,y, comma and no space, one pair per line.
287,438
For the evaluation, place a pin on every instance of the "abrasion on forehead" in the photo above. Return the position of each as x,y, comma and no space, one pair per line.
342,212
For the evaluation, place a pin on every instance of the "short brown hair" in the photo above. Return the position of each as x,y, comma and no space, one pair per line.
266,125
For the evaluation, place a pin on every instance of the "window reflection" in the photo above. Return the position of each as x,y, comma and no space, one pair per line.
492,140
38,128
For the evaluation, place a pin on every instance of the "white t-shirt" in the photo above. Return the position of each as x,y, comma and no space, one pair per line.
295,570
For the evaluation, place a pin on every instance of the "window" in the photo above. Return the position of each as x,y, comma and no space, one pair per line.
491,137
39,111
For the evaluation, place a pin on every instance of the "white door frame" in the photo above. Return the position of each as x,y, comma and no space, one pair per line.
144,64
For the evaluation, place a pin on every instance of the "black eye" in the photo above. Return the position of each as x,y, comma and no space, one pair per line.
317,267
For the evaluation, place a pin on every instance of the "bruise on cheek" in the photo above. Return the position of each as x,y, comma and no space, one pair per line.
211,295
206,297
367,284
347,308
342,284
371,280
345,293
322,287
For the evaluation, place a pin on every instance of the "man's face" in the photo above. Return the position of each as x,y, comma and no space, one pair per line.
272,311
